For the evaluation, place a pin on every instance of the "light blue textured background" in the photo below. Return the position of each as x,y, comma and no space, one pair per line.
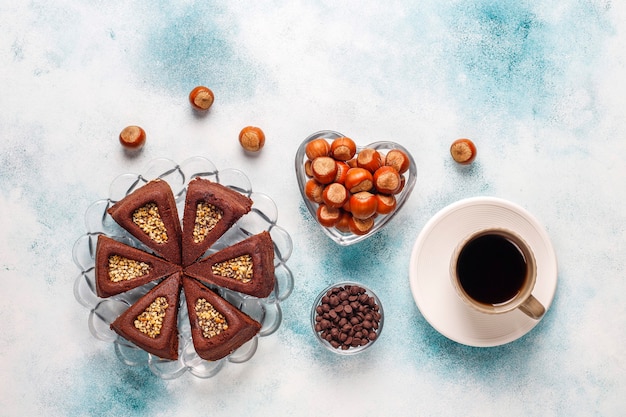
539,87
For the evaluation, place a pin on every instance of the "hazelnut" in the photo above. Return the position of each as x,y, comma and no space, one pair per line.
252,139
463,151
316,148
343,149
363,205
386,203
360,226
343,224
398,159
314,191
335,195
387,180
369,159
359,179
328,216
307,168
324,169
201,98
132,137
342,172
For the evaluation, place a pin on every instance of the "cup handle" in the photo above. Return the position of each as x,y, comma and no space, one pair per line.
532,308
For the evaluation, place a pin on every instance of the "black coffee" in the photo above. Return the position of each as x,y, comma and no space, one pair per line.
491,269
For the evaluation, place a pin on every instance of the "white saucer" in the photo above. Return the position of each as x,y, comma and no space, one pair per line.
430,280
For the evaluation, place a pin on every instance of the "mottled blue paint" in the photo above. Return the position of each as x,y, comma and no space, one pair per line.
507,58
193,45
109,388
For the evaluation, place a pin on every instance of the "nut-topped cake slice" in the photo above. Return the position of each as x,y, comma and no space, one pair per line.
120,268
149,213
246,266
151,322
217,327
210,210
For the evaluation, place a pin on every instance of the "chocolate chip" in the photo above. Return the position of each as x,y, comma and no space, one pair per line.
347,317
334,300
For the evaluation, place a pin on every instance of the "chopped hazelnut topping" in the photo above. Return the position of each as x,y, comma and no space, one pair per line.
207,217
150,321
239,268
149,220
211,321
124,269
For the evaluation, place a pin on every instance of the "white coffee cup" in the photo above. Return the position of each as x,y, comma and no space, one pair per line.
494,271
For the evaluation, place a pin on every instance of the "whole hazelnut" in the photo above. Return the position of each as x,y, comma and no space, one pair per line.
132,137
201,98
463,151
252,139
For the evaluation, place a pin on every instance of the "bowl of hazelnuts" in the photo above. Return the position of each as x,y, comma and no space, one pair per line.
353,191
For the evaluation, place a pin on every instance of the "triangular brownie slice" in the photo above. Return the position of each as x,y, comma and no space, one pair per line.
210,210
120,268
151,322
149,213
246,266
217,327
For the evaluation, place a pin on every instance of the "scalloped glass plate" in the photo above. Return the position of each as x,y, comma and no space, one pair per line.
263,216
341,238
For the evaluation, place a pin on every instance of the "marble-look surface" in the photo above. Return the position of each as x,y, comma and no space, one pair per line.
539,87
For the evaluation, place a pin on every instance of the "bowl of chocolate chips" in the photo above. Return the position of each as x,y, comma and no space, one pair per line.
347,318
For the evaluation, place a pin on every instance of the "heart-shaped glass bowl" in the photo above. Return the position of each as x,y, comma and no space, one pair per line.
343,238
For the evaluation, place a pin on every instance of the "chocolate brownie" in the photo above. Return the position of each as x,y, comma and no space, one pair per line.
120,267
151,322
246,266
217,327
210,210
149,213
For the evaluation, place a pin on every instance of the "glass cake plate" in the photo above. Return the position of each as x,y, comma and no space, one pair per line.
103,311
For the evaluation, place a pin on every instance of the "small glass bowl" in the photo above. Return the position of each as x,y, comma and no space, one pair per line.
352,349
341,238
